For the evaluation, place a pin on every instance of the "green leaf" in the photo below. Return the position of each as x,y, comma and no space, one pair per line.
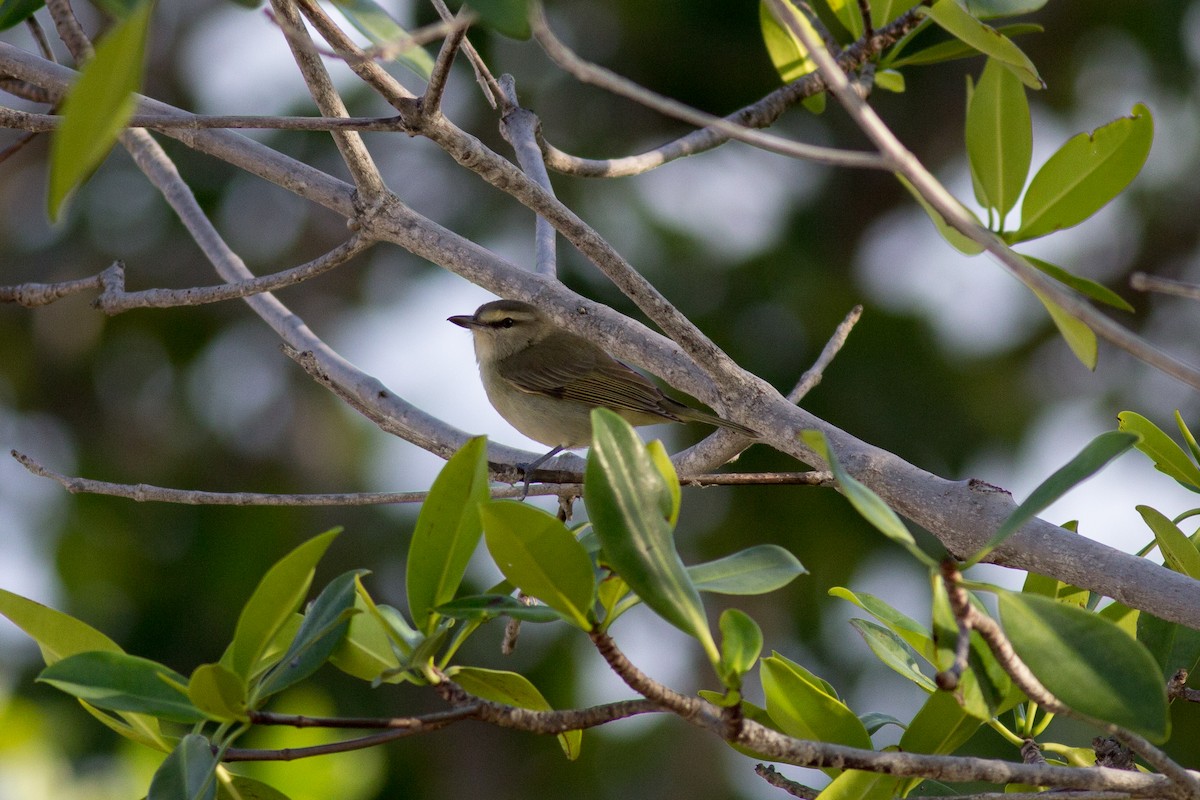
1179,552
447,532
1085,286
893,651
890,80
97,107
509,17
855,784
884,11
57,634
806,707
1088,663
999,138
868,504
217,692
14,12
538,554
1085,174
629,502
1090,460
239,787
912,632
489,606
374,22
662,462
512,689
741,644
366,651
955,49
188,773
1172,646
849,14
1169,458
877,720
324,625
940,727
276,598
990,9
756,570
1078,336
955,20
790,56
960,242
984,689
121,682
1193,447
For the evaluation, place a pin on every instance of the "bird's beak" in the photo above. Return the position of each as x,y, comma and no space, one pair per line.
464,321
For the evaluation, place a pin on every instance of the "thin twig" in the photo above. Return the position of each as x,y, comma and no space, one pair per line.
43,123
483,75
32,295
813,375
362,723
563,482
795,789
115,300
354,152
759,114
591,73
1142,282
519,128
431,101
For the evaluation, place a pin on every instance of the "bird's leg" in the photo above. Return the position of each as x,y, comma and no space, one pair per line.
528,469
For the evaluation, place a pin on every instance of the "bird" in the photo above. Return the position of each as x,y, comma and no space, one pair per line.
545,380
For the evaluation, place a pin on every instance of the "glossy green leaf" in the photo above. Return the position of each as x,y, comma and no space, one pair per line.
1078,336
512,689
790,56
1085,286
1055,589
1085,174
509,17
628,502
989,9
890,80
121,682
741,645
324,625
806,707
849,14
447,532
366,651
855,784
97,107
1088,663
374,22
868,504
538,554
940,727
1172,646
960,242
955,20
14,12
894,652
1179,552
756,570
1091,459
955,49
276,598
188,773
1169,458
1122,616
912,632
884,11
877,720
217,692
662,462
57,634
999,138
239,787
489,606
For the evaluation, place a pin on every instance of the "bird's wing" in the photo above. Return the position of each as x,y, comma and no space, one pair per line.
583,373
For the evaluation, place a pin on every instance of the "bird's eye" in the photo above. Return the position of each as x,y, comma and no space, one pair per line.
507,322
